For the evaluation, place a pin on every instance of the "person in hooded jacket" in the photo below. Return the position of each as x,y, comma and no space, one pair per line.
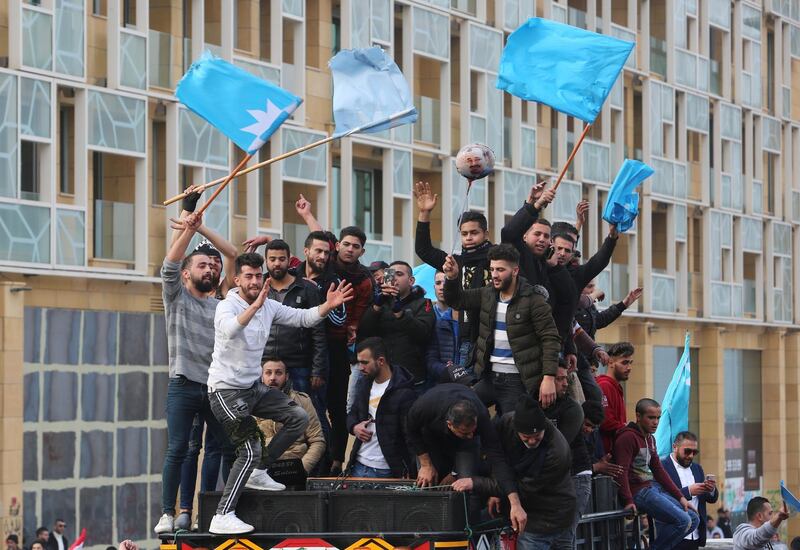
540,457
402,316
384,395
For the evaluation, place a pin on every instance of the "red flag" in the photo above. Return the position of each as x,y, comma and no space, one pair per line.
78,543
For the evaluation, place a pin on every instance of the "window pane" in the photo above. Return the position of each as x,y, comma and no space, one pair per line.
96,503
8,136
60,396
69,36
116,122
63,331
34,107
97,397
58,455
132,511
70,237
97,447
37,39
133,61
30,457
31,397
133,383
134,346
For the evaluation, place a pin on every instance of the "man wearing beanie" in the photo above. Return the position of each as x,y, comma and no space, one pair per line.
540,458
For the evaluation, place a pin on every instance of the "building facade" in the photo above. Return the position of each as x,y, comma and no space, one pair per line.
92,141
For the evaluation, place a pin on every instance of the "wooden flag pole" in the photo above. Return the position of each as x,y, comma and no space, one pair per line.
261,164
572,156
297,151
226,180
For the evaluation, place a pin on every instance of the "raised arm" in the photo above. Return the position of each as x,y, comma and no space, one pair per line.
515,229
303,208
423,246
455,296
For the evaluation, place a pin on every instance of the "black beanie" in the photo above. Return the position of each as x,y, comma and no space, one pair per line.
528,416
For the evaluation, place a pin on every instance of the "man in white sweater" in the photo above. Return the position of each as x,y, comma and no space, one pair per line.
237,395
762,524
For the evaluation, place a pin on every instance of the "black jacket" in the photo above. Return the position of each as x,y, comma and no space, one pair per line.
546,490
583,274
299,347
390,420
591,320
52,543
699,477
427,430
406,337
563,295
338,317
474,272
566,414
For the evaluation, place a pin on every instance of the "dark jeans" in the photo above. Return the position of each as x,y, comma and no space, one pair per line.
185,401
301,381
230,406
500,389
212,460
337,397
591,391
583,492
672,521
360,470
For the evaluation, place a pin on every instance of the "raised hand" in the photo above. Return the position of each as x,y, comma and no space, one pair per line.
262,296
450,268
426,199
632,296
193,221
251,244
337,295
189,202
581,213
302,206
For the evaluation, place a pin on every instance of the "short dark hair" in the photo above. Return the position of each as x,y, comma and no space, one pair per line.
542,221
273,359
39,541
684,436
462,413
405,264
186,263
249,259
353,231
566,236
795,544
375,346
504,252
279,244
620,349
317,236
13,538
41,530
593,412
473,216
645,403
755,506
565,227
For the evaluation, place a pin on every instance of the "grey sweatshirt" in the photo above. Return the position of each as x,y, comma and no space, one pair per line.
747,537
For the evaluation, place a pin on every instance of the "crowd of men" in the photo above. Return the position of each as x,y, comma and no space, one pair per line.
490,389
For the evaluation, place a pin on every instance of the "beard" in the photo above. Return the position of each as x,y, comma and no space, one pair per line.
316,266
277,274
206,283
505,284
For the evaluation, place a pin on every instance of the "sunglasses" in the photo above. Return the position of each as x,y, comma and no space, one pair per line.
691,452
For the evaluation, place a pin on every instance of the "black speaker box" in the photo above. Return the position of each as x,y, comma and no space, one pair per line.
605,494
376,511
271,511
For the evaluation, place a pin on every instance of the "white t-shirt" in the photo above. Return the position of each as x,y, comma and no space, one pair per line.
687,479
370,452
59,540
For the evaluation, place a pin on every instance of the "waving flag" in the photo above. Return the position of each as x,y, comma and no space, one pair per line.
790,500
675,406
77,544
243,107
567,68
424,277
622,205
370,94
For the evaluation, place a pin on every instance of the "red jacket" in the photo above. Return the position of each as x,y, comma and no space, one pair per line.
637,455
361,279
614,409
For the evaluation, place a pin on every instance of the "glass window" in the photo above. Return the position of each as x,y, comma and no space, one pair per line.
58,455
743,453
63,332
134,347
95,505
100,337
133,383
33,328
131,452
97,448
30,457
59,503
66,149
158,449
60,396
29,180
97,397
29,513
69,37
160,352
24,233
31,397
160,386
132,521
367,195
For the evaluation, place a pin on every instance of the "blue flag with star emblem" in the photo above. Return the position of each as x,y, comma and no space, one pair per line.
243,107
675,406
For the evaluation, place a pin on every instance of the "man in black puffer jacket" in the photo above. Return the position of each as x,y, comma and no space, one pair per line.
404,319
540,458
384,394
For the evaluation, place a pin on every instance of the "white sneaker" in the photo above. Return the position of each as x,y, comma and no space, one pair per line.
165,525
261,481
228,524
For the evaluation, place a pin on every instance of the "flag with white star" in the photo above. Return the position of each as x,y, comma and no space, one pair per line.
245,108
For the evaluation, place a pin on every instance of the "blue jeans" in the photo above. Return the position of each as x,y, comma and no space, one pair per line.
583,494
212,459
301,381
355,376
672,521
359,470
535,541
185,400
500,389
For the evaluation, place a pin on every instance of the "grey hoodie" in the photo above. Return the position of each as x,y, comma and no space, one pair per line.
747,537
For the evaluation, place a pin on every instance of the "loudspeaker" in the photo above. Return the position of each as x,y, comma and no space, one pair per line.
362,483
376,511
271,512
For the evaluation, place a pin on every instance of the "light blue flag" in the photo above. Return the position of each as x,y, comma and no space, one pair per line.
622,205
424,276
675,405
567,68
790,500
243,107
370,94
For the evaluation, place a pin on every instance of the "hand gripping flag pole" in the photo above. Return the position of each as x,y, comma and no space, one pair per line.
370,95
569,69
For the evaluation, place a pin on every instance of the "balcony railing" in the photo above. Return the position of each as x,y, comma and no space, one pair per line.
658,56
160,59
664,293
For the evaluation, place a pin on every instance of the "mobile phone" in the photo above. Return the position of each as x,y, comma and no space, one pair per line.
388,275
711,477
549,253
